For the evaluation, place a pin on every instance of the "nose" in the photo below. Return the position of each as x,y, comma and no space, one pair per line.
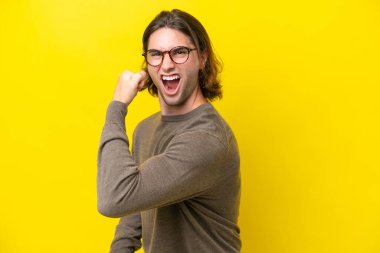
167,62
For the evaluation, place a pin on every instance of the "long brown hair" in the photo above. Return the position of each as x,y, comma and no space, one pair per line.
190,26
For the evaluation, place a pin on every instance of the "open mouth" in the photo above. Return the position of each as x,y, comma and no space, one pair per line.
171,83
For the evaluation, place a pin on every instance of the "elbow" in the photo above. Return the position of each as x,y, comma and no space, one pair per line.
108,206
112,203
105,210
109,209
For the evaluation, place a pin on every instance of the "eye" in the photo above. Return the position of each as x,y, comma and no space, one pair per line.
180,51
154,53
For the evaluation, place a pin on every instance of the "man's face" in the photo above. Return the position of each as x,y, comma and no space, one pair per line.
177,84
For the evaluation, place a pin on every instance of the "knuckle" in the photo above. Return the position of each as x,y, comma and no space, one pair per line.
126,75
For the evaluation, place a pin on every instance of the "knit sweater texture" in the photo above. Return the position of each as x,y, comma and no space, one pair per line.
179,189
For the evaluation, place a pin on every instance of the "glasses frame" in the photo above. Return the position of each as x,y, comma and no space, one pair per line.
169,53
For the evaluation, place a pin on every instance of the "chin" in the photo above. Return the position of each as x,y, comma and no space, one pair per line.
172,101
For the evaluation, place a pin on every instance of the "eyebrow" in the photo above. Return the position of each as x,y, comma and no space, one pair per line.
169,49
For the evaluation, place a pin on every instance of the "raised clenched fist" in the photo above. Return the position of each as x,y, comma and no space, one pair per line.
128,85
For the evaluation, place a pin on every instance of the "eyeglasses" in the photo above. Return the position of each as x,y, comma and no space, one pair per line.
178,55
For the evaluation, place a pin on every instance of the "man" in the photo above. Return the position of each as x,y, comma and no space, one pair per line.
179,190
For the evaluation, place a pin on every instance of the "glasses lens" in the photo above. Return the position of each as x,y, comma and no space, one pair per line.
179,54
154,57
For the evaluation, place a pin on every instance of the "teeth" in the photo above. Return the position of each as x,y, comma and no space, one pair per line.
170,78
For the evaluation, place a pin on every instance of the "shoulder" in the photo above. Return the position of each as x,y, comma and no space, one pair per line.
211,123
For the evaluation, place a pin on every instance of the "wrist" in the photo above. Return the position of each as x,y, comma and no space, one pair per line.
116,112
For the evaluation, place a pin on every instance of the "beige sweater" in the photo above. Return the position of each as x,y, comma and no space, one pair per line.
179,190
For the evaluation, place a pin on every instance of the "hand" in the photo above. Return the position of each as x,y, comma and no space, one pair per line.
128,85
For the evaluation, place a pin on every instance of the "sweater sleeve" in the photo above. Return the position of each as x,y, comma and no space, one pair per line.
191,164
127,237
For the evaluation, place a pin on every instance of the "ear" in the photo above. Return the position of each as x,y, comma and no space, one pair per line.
203,60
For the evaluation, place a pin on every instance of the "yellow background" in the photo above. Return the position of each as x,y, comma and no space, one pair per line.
301,82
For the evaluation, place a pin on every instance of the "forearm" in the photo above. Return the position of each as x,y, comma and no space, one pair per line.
115,162
128,234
